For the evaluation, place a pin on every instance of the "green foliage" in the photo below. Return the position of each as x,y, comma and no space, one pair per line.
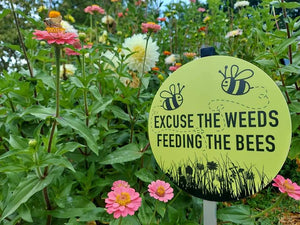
61,167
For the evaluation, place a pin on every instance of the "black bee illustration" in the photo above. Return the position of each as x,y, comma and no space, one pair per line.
172,98
235,83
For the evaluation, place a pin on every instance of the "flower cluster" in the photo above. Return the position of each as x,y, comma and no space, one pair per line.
124,200
234,33
240,4
150,27
94,9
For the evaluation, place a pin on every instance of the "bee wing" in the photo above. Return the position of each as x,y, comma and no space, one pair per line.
244,74
234,70
165,94
172,89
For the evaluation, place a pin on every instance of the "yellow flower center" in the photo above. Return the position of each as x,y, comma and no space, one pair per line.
55,30
160,191
139,53
151,23
53,14
288,186
123,198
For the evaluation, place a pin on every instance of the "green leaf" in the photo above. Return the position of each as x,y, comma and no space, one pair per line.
4,13
77,82
18,142
128,220
127,153
82,130
25,213
290,5
99,214
145,175
119,113
145,213
55,160
239,214
39,111
26,188
285,43
100,106
295,121
294,107
295,148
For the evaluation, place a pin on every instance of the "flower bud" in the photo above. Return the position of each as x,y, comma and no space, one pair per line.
32,143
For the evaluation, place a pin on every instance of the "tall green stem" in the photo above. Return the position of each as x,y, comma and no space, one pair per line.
279,199
91,26
153,215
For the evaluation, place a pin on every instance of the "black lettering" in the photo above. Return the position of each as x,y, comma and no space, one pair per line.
269,140
200,119
165,140
198,141
171,140
156,123
251,119
190,141
190,121
239,142
209,140
226,141
259,143
274,118
183,120
230,119
249,142
242,119
216,119
178,140
169,121
262,118
218,141
162,125
158,139
208,120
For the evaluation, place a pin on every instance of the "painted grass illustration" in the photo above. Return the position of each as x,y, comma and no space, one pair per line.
222,180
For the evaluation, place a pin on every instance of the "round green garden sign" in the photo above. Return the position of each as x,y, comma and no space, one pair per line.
220,128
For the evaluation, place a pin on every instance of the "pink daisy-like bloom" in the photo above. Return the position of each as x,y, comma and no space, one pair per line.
120,14
287,186
120,183
201,9
59,38
77,45
175,67
150,26
160,190
94,8
122,201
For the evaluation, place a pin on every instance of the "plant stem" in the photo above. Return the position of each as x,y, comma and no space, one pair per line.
153,215
288,36
120,221
23,45
91,26
173,200
279,199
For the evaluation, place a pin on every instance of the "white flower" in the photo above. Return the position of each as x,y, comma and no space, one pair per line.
171,59
113,59
137,45
241,4
103,37
107,19
67,70
68,27
234,33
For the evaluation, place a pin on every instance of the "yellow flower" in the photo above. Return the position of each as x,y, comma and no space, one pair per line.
69,18
161,77
41,8
206,19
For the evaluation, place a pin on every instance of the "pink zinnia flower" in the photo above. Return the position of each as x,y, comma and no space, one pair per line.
120,183
120,14
76,45
57,37
201,9
94,8
150,26
287,186
123,201
160,190
175,67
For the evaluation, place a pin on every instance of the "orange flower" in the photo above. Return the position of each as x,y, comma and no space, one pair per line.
203,28
167,53
155,68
